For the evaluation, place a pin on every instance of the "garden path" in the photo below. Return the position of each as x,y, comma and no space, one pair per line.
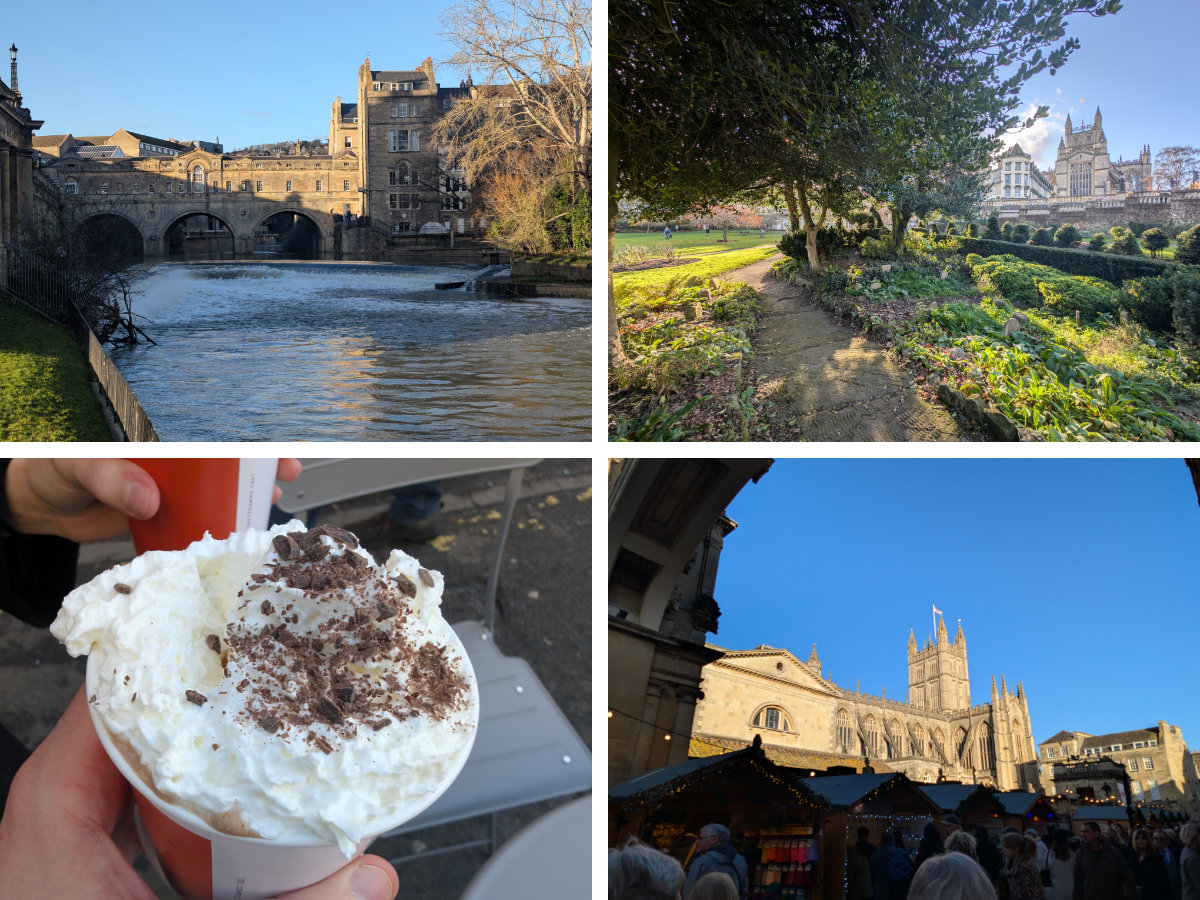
834,383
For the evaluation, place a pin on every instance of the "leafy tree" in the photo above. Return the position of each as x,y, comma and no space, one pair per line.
973,229
1155,239
992,231
1042,237
1175,168
1138,227
1125,242
1066,236
1096,241
1189,246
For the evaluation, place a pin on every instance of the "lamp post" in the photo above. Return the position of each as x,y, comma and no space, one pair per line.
12,54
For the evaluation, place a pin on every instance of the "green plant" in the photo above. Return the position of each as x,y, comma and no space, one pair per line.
873,248
660,424
1042,237
1021,233
1007,231
1155,239
1066,236
1067,293
1138,228
1150,302
1110,267
1096,242
631,254
1185,285
832,280
1189,246
992,230
1124,242
972,229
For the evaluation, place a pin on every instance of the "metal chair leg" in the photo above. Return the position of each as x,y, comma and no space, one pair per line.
513,491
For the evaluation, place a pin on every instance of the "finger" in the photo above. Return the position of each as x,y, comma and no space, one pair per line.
288,470
75,764
121,485
367,878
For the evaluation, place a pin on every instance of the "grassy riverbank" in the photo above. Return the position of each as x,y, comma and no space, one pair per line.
45,391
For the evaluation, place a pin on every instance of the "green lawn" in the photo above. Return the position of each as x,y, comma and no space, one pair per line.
708,267
45,392
696,241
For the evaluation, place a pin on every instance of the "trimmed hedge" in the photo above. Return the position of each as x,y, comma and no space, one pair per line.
1111,267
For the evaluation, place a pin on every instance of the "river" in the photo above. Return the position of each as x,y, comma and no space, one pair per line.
312,351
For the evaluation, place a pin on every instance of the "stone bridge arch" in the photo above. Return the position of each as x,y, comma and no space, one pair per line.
177,214
322,224
113,236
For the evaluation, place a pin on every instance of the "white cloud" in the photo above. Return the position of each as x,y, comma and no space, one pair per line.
1040,140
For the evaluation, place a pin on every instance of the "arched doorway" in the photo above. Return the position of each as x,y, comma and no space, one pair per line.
288,235
199,236
107,241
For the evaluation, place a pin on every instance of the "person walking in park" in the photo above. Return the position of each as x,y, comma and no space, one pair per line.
1101,872
667,232
714,853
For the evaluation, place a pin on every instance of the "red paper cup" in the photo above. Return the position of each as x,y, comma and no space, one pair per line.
219,496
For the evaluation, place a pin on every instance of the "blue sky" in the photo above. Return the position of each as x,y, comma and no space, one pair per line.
1138,66
1077,577
179,70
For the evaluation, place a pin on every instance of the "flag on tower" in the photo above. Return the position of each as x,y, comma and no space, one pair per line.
936,611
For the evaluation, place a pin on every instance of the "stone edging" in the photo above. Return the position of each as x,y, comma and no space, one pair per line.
999,425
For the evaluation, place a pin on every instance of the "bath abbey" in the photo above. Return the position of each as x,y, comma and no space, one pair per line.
805,720
1084,168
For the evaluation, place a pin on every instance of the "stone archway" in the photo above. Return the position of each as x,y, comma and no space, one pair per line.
291,234
109,240
198,234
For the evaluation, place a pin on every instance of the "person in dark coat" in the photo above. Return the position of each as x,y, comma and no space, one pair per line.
714,853
1101,872
891,871
931,844
864,846
988,853
1170,851
1149,870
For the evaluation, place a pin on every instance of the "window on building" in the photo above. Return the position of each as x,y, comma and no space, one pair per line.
1007,191
71,187
939,740
1008,166
1152,787
918,739
1064,751
150,188
1133,765
393,201
1147,763
288,185
198,180
104,187
244,186
258,187
843,730
349,141
1136,787
1114,747
895,739
136,188
871,736
404,140
1153,743
1138,745
772,717
1049,753
318,184
345,185
1007,179
401,227
987,747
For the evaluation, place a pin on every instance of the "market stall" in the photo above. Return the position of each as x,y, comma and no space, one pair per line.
774,820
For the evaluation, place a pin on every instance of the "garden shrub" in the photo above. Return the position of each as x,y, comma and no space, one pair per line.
1124,242
1155,239
1009,276
1112,268
829,242
1189,246
1067,293
1150,302
1007,231
992,231
973,229
1066,236
1096,242
1042,238
1138,228
1185,284
1021,233
874,248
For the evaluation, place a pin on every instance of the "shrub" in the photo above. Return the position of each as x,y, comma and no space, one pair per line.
1189,246
1042,238
1114,269
1021,233
1125,242
1066,236
1138,227
874,248
829,242
1096,242
973,229
1150,302
992,231
1007,231
1066,294
833,280
951,230
1186,287
1007,275
1155,239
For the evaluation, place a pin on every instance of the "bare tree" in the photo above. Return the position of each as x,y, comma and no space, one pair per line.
535,59
1175,168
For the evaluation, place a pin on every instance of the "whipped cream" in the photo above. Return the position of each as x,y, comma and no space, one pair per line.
279,684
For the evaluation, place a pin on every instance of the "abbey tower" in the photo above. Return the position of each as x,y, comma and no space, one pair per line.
937,675
1084,169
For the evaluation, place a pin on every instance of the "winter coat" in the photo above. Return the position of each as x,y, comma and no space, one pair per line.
1150,875
1103,874
721,858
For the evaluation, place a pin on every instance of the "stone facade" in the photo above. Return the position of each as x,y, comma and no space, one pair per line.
1084,169
1160,769
936,732
1016,176
17,197
1153,207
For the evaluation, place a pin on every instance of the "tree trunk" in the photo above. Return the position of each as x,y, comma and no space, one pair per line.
725,234
789,197
900,217
616,353
811,226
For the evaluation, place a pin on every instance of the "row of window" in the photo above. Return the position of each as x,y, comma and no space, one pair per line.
405,110
197,187
404,140
1151,789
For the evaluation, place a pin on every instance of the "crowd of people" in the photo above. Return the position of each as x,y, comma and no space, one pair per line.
949,863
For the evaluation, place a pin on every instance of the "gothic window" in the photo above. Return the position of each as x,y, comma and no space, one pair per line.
987,747
1018,740
1081,179
918,740
198,180
897,739
843,730
871,734
959,737
939,739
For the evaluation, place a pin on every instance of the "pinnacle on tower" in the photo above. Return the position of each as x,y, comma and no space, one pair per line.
1003,685
1068,128
912,642
993,688
814,661
959,639
942,637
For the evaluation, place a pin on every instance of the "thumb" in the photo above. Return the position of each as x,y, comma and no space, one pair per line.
367,878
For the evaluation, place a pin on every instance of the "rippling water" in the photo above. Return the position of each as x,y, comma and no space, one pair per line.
250,352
